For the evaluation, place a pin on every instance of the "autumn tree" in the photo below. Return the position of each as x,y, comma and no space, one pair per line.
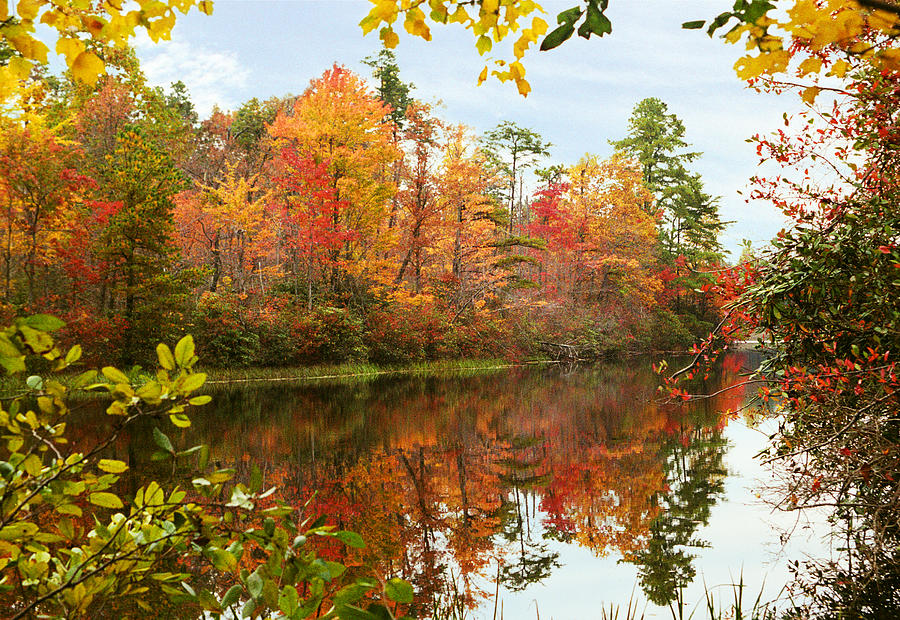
228,227
312,216
40,188
469,215
338,121
600,241
418,198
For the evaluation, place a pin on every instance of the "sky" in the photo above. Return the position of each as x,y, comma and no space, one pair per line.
582,93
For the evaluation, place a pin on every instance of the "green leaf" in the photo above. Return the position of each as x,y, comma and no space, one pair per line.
557,37
255,584
595,23
13,364
112,466
166,359
200,400
569,16
35,382
335,569
162,441
231,597
184,351
44,322
398,590
105,500
73,355
203,459
352,612
288,600
351,593
351,539
694,25
115,375
221,559
22,529
256,479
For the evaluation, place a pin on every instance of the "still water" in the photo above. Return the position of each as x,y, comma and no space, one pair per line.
575,487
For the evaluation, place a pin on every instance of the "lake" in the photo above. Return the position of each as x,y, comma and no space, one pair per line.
575,487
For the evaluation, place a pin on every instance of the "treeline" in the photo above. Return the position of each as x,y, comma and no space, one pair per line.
348,223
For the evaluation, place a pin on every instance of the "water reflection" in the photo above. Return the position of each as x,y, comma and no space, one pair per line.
454,482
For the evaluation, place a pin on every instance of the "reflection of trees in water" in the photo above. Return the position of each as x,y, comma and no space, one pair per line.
526,560
695,478
453,477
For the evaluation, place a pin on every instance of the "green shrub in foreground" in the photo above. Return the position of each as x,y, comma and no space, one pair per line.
71,544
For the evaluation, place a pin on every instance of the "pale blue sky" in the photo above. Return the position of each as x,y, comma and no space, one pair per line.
582,95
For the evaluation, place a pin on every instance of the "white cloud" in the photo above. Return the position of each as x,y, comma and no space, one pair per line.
212,77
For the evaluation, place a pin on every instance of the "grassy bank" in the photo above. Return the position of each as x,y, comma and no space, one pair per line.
219,378
225,378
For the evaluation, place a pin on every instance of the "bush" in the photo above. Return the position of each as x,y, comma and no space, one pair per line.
86,549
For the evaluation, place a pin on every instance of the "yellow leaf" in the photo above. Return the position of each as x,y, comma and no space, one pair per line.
105,500
890,59
523,86
70,48
88,67
389,38
839,68
28,9
20,67
94,25
483,44
180,420
734,35
112,466
482,76
810,65
809,94
29,47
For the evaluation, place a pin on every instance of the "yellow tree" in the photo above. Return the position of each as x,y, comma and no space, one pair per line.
419,207
228,227
467,244
600,240
339,122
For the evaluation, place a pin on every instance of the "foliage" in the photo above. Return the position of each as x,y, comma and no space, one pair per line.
490,21
73,542
359,204
83,31
823,301
838,36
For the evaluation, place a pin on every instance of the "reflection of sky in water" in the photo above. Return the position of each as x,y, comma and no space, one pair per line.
743,536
